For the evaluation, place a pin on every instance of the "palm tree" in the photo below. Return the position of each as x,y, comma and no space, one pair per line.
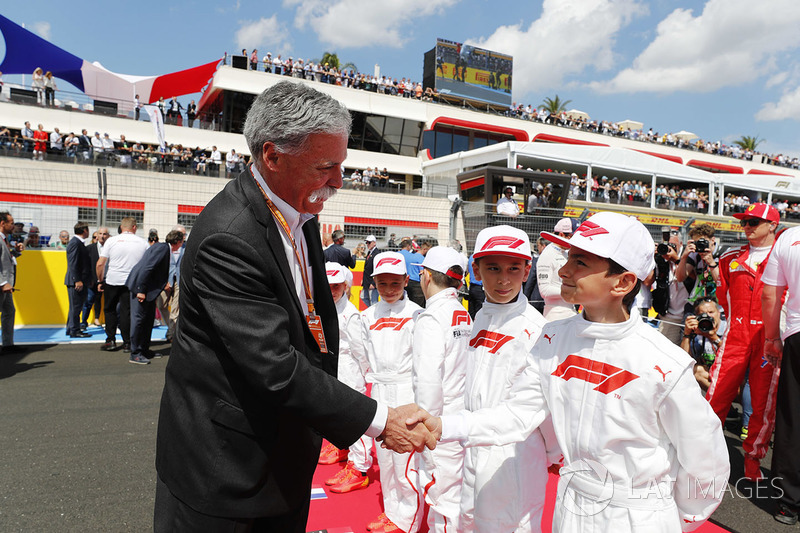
331,59
748,143
555,105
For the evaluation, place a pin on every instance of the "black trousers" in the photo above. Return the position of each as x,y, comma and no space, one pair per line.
142,316
117,294
76,300
173,516
785,457
475,299
415,294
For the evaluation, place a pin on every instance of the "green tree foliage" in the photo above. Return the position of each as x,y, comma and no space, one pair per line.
331,59
555,105
748,143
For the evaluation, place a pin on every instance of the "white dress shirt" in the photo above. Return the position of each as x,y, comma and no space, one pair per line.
295,220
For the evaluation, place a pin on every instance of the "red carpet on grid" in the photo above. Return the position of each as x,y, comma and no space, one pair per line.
351,512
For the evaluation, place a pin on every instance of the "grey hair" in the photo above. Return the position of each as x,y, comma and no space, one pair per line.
287,113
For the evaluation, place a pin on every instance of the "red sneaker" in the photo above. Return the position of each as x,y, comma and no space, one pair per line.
334,456
351,480
752,469
378,523
338,476
389,527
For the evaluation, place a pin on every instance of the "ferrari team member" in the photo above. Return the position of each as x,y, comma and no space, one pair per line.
627,411
387,329
441,341
739,293
552,258
504,485
351,370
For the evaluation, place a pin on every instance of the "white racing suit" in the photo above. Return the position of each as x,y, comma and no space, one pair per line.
504,486
387,332
351,370
441,341
550,261
643,451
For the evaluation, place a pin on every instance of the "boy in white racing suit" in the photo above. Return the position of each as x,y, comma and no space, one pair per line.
642,449
441,341
504,486
387,330
351,370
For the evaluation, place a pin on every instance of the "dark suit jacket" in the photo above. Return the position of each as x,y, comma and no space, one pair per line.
94,255
78,264
369,266
248,395
149,276
336,253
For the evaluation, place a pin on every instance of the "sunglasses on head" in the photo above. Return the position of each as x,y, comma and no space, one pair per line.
752,222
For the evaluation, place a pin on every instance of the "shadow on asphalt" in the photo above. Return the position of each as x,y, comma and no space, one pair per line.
10,363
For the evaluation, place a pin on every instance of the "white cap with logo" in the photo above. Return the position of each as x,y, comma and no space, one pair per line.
443,259
335,272
389,263
371,238
614,236
502,240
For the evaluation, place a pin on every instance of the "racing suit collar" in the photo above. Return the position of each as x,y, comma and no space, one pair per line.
517,306
598,330
441,295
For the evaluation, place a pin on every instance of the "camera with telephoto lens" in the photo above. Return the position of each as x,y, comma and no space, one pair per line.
705,322
663,248
701,245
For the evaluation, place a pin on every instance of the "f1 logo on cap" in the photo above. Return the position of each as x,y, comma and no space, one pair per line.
331,272
590,229
510,242
388,261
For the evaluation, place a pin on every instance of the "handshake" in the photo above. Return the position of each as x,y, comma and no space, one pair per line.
410,428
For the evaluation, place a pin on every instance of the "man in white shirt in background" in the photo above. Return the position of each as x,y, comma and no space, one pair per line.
507,205
553,257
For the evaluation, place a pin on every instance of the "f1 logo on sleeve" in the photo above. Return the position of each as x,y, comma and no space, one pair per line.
461,317
395,324
590,229
388,261
608,378
492,340
510,242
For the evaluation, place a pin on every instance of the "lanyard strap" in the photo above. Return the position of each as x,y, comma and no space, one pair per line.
285,227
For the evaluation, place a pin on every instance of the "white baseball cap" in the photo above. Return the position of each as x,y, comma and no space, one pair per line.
389,263
563,226
614,236
335,272
502,240
443,259
371,238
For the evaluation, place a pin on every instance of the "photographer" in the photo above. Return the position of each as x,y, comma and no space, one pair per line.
670,295
702,337
701,271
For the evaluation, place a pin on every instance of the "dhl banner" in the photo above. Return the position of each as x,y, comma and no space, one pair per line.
676,219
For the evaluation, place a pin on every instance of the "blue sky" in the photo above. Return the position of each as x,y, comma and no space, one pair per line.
720,68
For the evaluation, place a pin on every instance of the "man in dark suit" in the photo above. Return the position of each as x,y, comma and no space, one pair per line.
94,298
250,387
145,282
9,251
336,253
369,293
77,279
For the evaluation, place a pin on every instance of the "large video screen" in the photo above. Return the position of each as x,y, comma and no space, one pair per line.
474,73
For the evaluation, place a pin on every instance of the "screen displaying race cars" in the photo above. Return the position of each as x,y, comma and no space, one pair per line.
473,73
